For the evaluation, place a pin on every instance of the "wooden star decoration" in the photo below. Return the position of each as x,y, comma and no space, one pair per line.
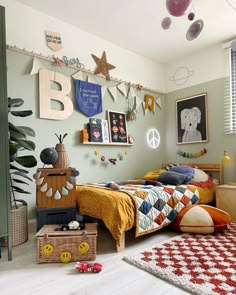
103,66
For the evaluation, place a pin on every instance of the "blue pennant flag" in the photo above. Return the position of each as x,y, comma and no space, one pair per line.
88,98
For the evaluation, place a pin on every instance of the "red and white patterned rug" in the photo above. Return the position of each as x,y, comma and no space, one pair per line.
201,264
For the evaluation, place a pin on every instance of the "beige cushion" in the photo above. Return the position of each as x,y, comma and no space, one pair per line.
199,175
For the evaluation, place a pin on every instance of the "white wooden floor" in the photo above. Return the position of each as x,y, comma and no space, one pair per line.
24,276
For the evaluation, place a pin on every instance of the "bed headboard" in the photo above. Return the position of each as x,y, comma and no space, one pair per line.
217,167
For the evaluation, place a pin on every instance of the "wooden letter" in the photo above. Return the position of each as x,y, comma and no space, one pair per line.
46,94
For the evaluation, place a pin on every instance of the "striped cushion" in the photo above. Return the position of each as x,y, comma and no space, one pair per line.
202,219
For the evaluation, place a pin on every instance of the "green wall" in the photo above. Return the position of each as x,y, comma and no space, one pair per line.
218,141
135,164
140,157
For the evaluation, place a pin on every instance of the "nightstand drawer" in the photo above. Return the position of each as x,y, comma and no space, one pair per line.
226,199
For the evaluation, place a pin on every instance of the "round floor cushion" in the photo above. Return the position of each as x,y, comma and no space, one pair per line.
202,219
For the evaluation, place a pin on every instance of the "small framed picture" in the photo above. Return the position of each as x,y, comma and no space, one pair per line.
117,127
191,119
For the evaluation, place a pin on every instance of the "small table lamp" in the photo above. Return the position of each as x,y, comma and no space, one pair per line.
228,160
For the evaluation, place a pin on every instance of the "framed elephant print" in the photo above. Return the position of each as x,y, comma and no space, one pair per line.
191,119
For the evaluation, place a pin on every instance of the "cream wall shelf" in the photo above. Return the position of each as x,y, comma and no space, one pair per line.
107,144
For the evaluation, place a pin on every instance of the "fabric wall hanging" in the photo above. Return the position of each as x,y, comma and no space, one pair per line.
88,98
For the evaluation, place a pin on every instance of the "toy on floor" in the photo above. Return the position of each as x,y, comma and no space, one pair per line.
73,225
88,267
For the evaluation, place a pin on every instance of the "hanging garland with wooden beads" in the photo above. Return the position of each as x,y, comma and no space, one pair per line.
192,155
111,160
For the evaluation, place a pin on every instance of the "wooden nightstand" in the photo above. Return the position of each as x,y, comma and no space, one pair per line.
226,199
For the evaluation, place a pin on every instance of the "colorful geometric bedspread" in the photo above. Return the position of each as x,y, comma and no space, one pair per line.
159,206
156,205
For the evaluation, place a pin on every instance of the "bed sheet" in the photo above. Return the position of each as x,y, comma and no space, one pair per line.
117,209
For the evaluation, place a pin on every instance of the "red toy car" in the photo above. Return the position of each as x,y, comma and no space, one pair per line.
88,267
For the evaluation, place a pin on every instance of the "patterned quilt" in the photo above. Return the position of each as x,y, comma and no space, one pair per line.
159,206
156,205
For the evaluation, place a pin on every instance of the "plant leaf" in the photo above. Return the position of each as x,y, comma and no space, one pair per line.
21,113
15,132
19,181
13,147
26,144
22,202
13,167
15,102
57,137
64,137
21,174
17,142
26,130
19,190
26,161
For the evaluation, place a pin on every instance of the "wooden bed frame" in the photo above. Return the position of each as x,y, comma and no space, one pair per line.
208,168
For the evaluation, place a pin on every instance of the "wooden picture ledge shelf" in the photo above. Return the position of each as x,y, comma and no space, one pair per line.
107,143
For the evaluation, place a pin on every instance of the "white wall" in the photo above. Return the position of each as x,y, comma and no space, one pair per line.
207,65
26,28
205,71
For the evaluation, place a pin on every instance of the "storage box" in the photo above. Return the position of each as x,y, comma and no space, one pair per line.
55,188
55,215
54,245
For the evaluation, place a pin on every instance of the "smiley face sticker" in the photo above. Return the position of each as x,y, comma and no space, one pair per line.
47,249
83,247
65,256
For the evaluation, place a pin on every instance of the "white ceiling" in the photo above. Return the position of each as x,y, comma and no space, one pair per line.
136,24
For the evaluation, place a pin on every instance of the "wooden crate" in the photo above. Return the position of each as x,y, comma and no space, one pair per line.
55,188
54,245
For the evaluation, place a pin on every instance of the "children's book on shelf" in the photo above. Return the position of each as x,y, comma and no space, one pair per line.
95,130
105,131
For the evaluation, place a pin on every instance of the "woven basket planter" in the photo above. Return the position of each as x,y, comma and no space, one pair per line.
19,225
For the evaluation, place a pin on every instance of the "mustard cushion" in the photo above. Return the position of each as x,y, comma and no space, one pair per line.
153,174
201,219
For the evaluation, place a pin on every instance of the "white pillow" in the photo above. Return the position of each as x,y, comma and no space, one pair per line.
199,175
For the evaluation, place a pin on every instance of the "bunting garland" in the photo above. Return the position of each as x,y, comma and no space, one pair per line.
80,70
124,88
149,103
192,155
113,90
78,75
62,191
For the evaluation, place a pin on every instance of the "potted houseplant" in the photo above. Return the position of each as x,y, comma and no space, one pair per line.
19,145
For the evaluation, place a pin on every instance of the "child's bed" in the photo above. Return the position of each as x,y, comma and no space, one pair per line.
145,204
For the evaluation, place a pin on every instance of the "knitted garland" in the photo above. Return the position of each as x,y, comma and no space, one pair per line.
192,155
